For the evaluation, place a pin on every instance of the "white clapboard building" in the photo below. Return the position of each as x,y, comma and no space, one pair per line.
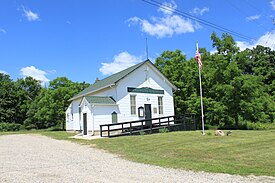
136,93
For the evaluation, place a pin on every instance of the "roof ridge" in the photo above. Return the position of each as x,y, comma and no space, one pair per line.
122,71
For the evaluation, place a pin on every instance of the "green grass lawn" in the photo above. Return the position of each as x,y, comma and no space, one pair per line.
243,153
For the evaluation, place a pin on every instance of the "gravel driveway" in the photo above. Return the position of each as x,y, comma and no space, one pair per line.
35,158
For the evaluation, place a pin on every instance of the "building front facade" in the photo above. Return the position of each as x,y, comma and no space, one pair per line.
135,93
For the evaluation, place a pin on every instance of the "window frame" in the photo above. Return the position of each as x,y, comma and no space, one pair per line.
160,105
133,105
72,112
114,117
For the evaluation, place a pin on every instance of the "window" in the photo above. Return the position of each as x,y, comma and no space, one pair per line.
72,112
133,104
160,105
141,111
155,110
79,112
68,117
114,117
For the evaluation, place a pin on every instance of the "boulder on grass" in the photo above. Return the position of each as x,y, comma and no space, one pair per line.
219,133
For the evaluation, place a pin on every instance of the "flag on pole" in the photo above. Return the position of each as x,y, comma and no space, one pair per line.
198,57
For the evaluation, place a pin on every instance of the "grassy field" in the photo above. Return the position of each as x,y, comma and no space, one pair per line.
243,153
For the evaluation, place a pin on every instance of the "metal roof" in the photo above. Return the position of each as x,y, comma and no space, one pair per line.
100,100
113,79
109,81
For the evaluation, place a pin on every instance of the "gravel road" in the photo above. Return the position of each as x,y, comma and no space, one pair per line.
35,158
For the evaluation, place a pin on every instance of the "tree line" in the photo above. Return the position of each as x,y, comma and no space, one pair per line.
25,104
238,86
238,89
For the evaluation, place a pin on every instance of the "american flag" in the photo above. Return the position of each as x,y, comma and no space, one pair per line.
198,57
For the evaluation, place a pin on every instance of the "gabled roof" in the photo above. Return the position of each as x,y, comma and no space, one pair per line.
113,79
100,100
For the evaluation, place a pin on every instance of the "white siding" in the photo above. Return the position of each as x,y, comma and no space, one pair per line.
69,122
72,119
144,76
103,115
138,79
86,108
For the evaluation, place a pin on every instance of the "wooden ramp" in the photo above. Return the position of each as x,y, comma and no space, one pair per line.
148,126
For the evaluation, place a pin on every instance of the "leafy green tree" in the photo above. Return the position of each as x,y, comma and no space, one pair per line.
48,110
27,90
41,111
176,68
214,85
237,86
8,99
225,45
262,60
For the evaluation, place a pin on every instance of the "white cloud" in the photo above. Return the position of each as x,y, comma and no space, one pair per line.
31,16
4,72
51,72
168,8
35,73
213,51
165,26
272,4
121,61
198,11
252,18
266,40
3,31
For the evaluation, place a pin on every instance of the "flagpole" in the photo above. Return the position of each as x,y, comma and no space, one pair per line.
202,115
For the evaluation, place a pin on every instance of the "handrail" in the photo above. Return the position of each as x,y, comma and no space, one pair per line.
132,127
150,119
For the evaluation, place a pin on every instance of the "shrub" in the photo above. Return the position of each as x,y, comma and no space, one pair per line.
246,125
141,133
259,126
210,127
55,128
163,130
5,127
228,127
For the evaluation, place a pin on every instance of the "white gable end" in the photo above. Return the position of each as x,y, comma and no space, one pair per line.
144,77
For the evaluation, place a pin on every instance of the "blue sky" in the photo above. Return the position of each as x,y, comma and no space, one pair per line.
86,39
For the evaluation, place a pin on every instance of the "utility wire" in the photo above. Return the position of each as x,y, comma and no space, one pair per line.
205,22
270,33
244,13
257,9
